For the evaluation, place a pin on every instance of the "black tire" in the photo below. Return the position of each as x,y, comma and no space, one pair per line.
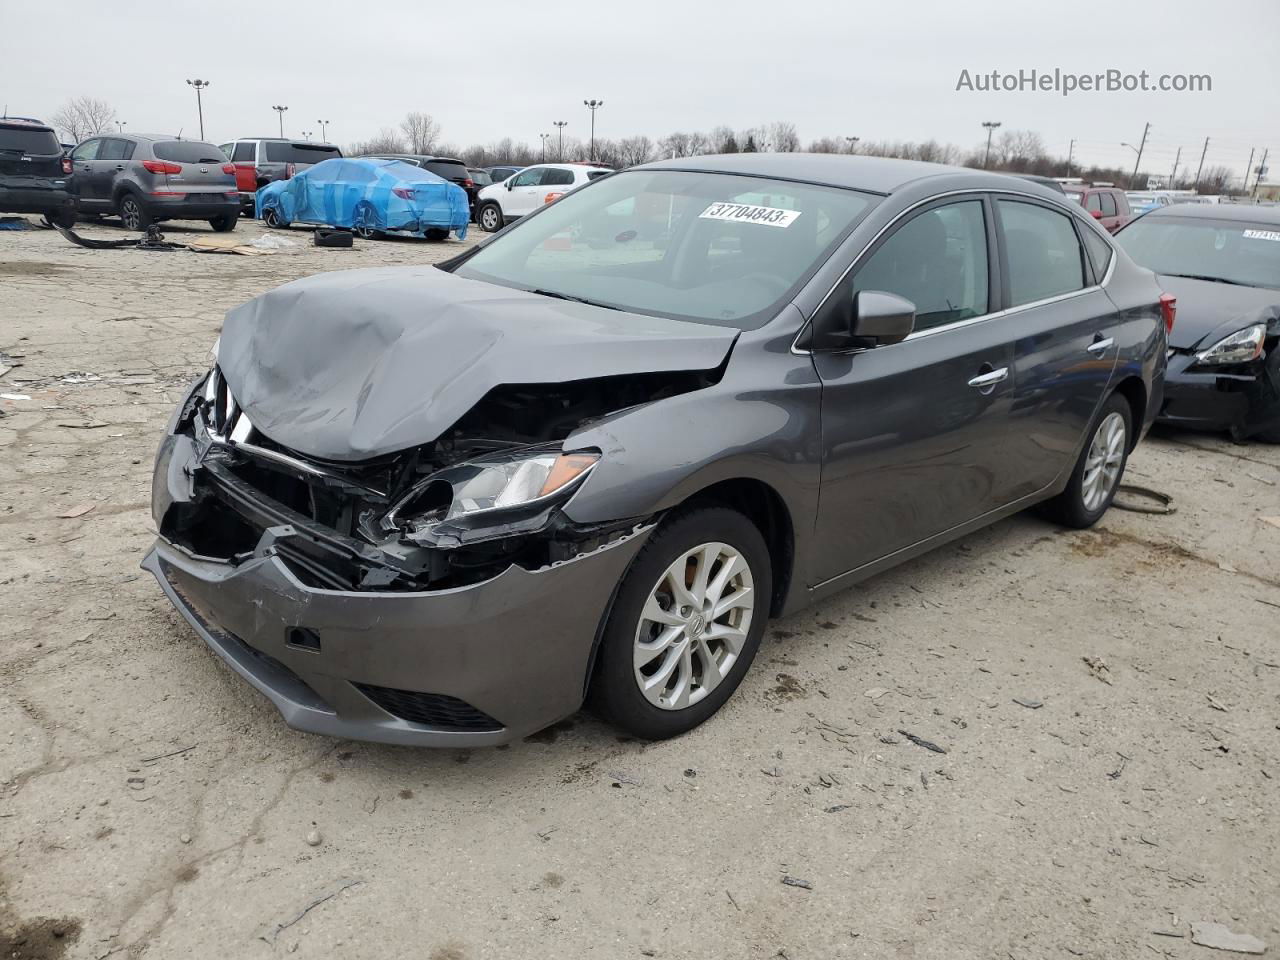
133,213
224,224
1069,508
437,234
489,216
65,218
271,219
615,691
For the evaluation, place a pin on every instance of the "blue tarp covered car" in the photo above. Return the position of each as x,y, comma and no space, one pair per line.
368,196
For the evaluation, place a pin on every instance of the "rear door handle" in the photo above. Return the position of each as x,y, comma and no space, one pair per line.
1099,347
119,166
989,379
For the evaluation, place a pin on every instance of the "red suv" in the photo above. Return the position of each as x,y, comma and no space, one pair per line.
1108,205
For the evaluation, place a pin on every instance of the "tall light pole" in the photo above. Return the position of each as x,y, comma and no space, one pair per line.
324,130
544,137
200,85
991,128
1262,171
307,135
561,124
1138,150
280,110
1071,151
593,106
1200,169
853,143
121,124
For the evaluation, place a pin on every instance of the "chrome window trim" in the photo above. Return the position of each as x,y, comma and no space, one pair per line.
799,351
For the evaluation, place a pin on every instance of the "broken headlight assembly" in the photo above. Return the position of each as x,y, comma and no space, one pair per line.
1240,347
495,495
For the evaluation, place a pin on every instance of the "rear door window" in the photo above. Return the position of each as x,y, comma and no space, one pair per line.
187,151
1099,252
115,149
1044,256
1108,202
448,169
553,177
938,261
1093,201
29,140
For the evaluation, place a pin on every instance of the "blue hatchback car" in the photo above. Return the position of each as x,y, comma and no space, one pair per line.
368,196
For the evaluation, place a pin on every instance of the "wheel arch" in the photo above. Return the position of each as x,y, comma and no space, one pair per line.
1135,392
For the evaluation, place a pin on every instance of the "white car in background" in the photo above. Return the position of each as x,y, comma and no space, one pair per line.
524,192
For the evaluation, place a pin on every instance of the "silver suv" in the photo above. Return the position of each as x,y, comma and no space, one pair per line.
145,179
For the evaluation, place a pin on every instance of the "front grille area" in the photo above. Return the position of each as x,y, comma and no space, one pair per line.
430,709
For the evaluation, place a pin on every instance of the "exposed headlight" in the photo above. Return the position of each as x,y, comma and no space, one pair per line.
503,481
1241,347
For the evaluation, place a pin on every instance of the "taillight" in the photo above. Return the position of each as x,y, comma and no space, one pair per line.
404,193
161,166
66,164
1169,308
468,183
552,197
289,170
228,168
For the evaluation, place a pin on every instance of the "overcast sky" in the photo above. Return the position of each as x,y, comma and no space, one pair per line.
882,70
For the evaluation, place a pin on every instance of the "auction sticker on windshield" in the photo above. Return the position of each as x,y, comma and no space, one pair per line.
748,213
1273,235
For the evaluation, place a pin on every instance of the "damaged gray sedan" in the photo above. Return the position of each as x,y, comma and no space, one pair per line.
587,460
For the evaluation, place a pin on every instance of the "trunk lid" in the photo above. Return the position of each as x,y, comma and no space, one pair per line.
202,167
29,150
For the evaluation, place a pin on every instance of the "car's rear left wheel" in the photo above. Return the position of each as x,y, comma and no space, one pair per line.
132,214
685,625
1098,471
225,224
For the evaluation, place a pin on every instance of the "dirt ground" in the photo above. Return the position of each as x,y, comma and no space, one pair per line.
153,805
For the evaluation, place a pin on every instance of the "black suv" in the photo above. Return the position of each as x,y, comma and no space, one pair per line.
33,171
145,179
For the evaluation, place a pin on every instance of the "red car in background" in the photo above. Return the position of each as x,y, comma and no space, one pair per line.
1106,204
262,160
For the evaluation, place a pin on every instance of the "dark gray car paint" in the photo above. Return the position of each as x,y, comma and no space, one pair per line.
1209,311
354,364
855,466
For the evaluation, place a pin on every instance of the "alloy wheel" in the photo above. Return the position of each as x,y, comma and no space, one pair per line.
130,213
1102,466
693,625
489,219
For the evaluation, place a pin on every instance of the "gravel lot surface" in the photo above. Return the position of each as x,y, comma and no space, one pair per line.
153,805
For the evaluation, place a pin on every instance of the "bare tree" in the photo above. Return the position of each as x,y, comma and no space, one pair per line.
387,141
723,140
827,145
81,117
634,150
782,136
674,145
1019,149
1214,180
421,131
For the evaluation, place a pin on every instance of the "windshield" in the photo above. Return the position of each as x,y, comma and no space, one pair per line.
278,152
188,151
1234,252
699,246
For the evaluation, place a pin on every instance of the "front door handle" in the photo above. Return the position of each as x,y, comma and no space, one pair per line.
1099,347
119,166
989,379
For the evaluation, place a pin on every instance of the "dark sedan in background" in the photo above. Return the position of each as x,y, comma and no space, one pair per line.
144,179
1222,262
441,505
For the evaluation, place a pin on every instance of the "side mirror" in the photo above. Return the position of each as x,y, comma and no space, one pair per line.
511,183
881,317
1097,214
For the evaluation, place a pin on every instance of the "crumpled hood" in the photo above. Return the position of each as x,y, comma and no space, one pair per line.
359,363
1209,311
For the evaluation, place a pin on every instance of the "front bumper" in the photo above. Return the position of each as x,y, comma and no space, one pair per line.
1243,400
473,665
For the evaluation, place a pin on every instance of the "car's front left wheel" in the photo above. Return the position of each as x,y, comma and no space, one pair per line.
685,624
490,217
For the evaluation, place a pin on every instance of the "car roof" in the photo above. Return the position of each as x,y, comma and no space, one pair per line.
882,175
564,166
430,157
1236,213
